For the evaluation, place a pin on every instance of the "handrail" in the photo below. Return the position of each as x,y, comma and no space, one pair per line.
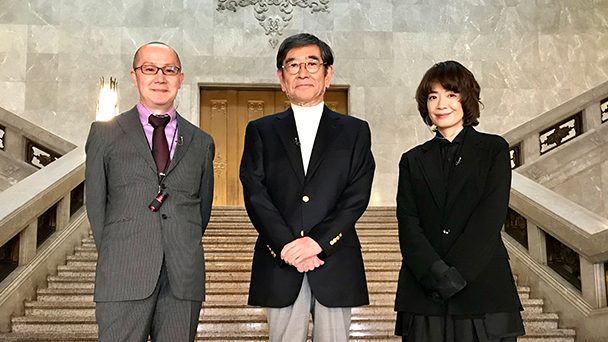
579,228
551,216
34,132
32,196
22,204
557,114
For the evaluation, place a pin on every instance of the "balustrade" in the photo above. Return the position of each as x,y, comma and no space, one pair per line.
556,232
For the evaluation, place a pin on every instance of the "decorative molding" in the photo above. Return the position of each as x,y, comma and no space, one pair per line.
274,15
561,133
38,155
219,108
219,166
255,109
2,134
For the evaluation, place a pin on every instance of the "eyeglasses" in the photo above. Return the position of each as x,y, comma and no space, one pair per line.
293,67
169,70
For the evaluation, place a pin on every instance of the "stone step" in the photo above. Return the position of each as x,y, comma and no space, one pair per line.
363,228
212,295
245,256
88,268
89,247
357,336
227,265
243,241
65,311
85,309
227,325
540,321
557,335
69,282
366,219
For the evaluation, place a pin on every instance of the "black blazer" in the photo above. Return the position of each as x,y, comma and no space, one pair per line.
461,226
337,188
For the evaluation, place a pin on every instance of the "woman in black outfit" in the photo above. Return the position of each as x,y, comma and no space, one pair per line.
455,283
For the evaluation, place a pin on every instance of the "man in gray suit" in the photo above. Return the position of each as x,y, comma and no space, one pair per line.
149,177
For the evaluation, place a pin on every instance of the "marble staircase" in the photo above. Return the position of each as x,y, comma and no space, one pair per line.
64,311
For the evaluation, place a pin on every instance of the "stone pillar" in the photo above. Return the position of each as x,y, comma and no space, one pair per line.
530,149
537,244
27,243
592,117
593,283
63,212
14,144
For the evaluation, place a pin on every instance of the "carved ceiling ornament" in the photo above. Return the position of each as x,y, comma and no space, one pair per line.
274,15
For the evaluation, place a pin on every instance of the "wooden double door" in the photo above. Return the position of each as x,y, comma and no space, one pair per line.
225,113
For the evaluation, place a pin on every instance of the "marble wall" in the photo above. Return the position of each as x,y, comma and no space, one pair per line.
588,189
529,56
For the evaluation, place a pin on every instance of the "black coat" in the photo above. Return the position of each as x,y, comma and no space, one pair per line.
337,186
461,226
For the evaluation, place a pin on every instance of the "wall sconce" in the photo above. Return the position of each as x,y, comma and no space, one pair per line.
107,105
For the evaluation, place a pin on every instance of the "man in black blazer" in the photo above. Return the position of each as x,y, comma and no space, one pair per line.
307,175
150,277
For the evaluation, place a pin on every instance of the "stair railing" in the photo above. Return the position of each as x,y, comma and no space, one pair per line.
548,222
58,186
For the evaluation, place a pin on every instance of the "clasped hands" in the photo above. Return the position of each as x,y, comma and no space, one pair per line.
302,254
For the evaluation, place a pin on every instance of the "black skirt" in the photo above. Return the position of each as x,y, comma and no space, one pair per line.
496,327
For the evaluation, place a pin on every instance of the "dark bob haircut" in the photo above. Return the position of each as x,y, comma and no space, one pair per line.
455,77
300,40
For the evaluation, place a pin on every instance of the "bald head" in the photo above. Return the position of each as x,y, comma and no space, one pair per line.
136,57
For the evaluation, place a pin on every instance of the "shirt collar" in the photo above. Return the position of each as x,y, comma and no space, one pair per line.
144,113
457,140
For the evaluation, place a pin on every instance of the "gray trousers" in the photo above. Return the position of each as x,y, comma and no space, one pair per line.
161,316
290,324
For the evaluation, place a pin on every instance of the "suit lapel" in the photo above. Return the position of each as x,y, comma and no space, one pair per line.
430,166
470,155
328,130
130,124
184,136
285,127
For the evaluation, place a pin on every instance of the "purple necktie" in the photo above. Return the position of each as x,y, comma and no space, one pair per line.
160,149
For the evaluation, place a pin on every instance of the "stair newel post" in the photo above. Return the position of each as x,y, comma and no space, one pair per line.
593,283
27,243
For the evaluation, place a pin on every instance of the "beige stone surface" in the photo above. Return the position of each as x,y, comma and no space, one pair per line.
528,56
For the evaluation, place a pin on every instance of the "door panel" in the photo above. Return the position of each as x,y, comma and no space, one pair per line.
225,114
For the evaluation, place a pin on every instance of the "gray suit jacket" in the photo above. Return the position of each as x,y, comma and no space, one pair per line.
131,240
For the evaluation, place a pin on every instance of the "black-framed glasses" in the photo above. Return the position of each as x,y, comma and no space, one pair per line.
169,70
293,67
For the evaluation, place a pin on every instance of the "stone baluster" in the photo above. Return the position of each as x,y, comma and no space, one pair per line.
593,283
537,243
27,243
63,212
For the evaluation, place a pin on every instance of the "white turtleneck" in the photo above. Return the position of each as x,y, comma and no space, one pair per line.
307,124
